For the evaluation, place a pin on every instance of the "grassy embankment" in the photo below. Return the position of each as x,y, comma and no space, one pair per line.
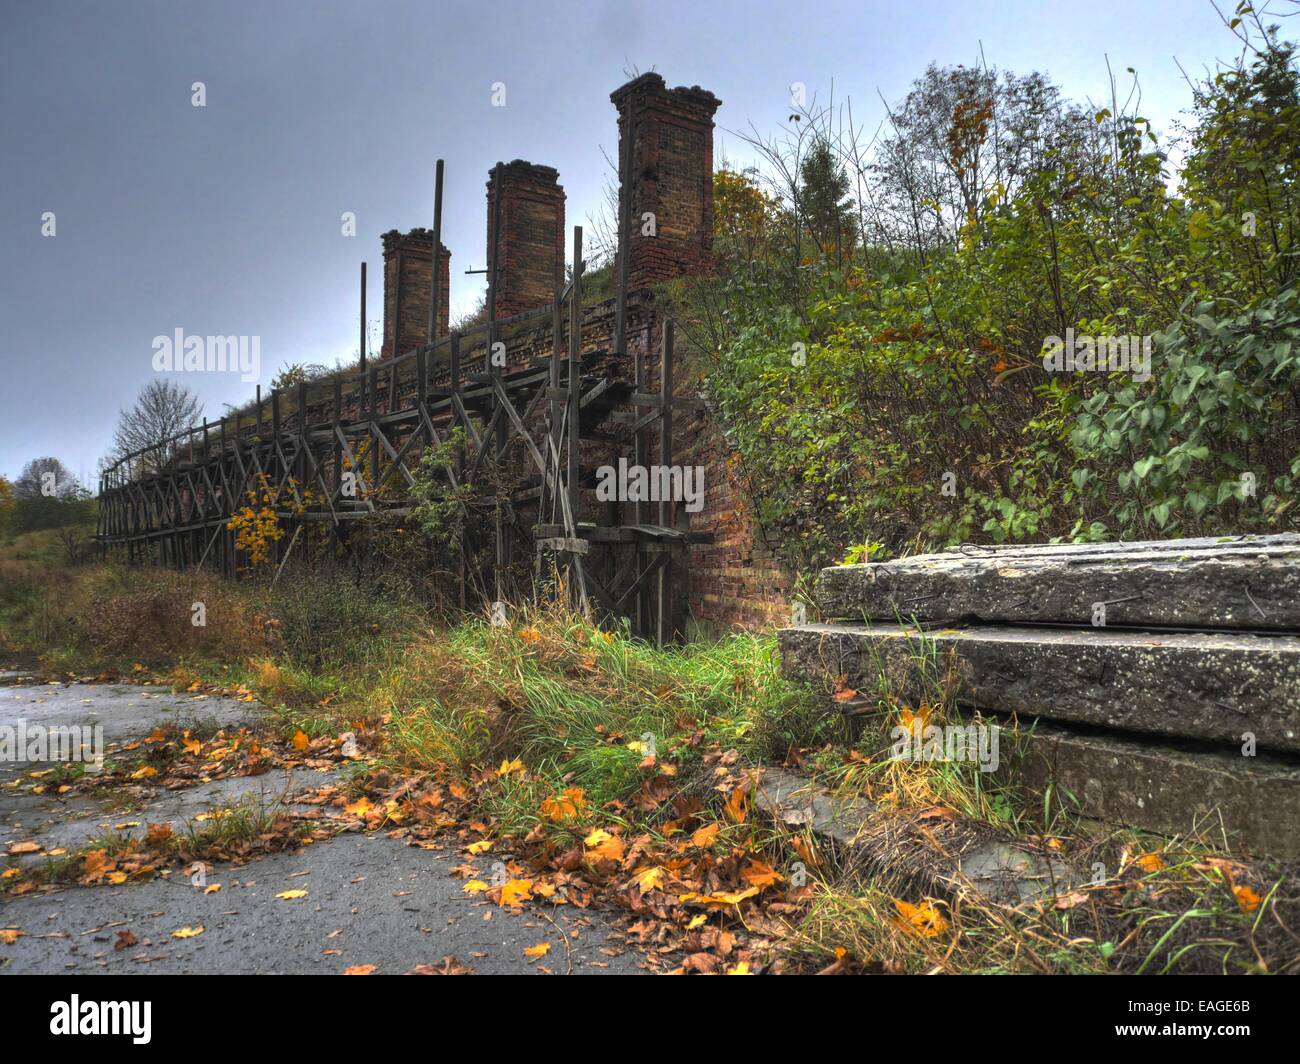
546,726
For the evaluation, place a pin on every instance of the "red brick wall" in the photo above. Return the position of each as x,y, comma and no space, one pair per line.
671,177
408,259
530,251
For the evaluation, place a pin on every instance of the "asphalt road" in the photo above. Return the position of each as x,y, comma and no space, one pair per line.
371,899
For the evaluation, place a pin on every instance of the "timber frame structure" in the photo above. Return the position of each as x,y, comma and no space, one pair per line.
332,452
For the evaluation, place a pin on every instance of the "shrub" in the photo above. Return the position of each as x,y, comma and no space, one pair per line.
334,621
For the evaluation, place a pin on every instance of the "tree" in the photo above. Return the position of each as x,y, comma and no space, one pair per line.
162,409
7,504
46,478
963,139
824,198
47,495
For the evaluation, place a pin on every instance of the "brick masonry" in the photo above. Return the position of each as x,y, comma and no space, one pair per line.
737,580
408,278
530,250
671,177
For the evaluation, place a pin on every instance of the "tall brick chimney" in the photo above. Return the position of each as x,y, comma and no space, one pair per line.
408,278
530,255
671,177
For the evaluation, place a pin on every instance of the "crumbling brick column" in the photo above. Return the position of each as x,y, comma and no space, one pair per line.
671,178
408,278
530,254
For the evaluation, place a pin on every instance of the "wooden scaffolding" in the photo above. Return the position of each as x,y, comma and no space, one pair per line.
346,448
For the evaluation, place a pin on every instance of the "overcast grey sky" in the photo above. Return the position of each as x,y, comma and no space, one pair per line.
225,219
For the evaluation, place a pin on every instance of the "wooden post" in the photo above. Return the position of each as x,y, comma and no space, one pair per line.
624,237
546,508
362,341
435,282
575,379
663,627
502,553
460,458
373,385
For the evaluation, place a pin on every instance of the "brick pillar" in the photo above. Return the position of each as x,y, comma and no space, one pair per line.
408,277
530,255
671,177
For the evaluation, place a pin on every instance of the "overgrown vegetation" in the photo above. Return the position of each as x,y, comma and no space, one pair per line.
877,326
618,768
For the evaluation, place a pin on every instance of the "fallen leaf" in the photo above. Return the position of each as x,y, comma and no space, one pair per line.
706,836
1247,898
737,806
187,932
539,950
514,892
924,919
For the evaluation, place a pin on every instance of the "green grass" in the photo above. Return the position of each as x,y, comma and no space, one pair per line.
549,704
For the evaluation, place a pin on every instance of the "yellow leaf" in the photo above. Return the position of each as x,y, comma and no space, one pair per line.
1247,898
212,889
514,892
740,969
144,773
187,932
289,895
924,919
359,969
737,806
10,935
482,846
721,899
1151,862
539,950
508,767
601,844
564,806
706,836
696,921
300,740
650,879
192,746
760,874
358,808
474,886
117,878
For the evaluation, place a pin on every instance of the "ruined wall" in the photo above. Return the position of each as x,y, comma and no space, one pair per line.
670,230
736,580
529,201
408,283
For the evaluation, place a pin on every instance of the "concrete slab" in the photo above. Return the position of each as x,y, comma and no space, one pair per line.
1215,687
1196,587
1243,803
